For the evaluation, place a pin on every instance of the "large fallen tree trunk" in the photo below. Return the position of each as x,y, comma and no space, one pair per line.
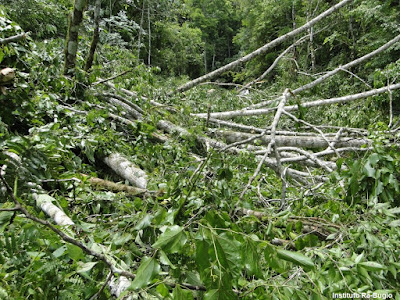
264,111
263,49
290,141
127,170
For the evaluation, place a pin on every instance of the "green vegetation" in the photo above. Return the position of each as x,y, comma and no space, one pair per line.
305,204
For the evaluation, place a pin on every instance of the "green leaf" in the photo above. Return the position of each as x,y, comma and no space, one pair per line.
395,223
251,258
165,260
171,240
374,158
359,258
163,290
372,266
369,170
149,268
85,267
296,258
60,251
74,252
180,294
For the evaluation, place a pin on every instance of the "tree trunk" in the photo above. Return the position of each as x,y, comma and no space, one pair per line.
264,111
127,170
292,141
71,47
96,36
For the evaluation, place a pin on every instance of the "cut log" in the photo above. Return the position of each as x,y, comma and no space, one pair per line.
98,182
45,202
7,75
127,170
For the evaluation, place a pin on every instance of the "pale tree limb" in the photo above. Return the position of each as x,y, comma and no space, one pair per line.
271,143
127,170
126,108
309,156
124,100
262,49
45,202
12,39
292,141
323,153
257,112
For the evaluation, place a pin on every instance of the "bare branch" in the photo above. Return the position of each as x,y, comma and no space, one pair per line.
13,39
257,112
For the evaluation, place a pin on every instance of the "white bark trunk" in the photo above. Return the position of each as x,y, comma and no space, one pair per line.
45,202
292,141
127,170
264,111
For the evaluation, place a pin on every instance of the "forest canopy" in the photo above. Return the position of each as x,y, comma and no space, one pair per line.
182,149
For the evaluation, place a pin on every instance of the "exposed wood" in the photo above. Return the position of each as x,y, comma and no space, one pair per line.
45,202
264,111
7,75
127,170
13,39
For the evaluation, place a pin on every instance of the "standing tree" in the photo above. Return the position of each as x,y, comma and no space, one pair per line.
71,46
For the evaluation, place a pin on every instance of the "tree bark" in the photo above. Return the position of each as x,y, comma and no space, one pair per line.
45,202
71,47
264,111
96,36
262,49
292,141
127,170
13,39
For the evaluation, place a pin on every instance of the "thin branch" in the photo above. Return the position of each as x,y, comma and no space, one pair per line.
14,38
112,77
272,142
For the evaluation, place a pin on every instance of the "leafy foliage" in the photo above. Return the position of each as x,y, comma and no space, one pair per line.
187,237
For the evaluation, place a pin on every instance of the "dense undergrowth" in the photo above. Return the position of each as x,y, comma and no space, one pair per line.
189,231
